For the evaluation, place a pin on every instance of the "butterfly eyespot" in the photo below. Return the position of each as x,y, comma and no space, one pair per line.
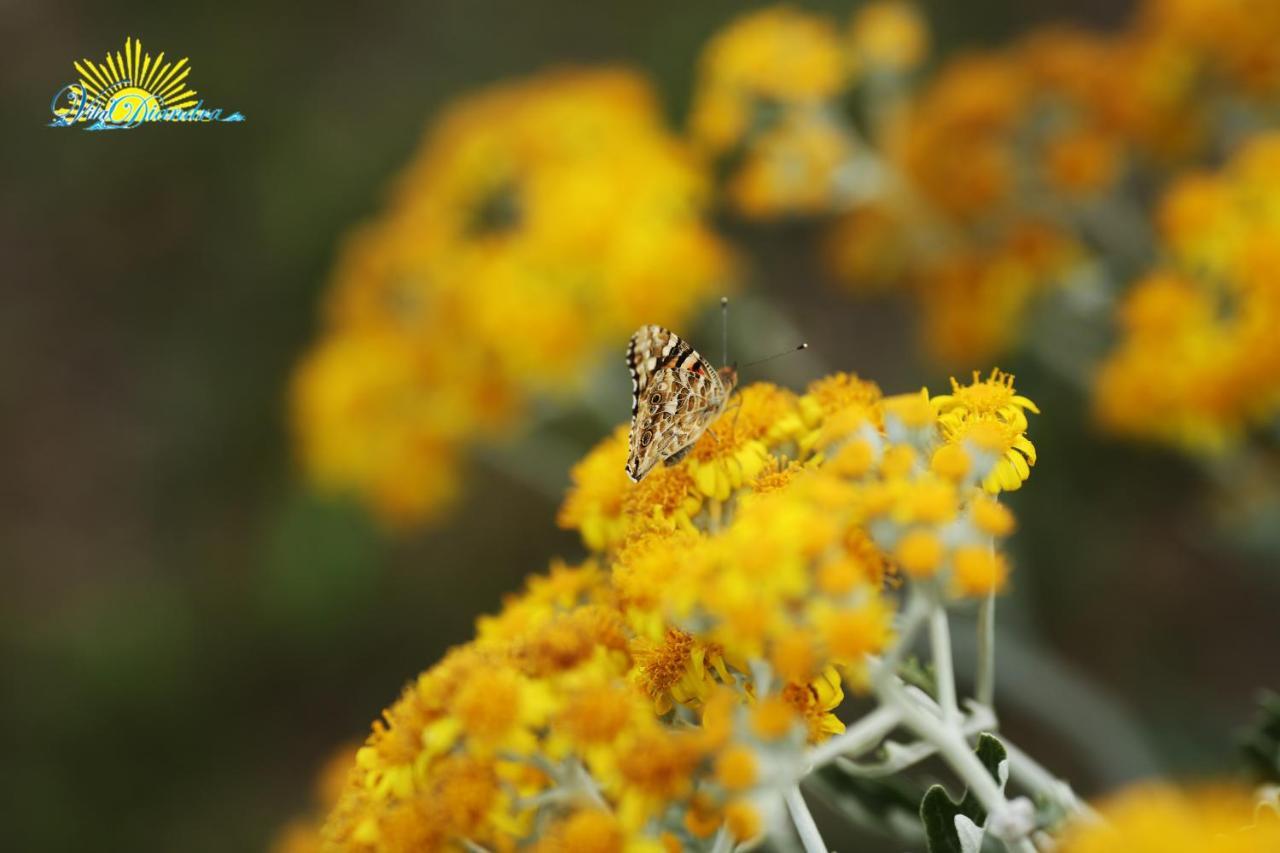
655,399
646,437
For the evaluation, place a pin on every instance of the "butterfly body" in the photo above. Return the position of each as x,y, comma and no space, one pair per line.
676,394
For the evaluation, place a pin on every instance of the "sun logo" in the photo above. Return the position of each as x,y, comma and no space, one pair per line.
129,88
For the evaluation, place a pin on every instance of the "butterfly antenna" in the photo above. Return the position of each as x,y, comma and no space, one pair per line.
796,348
724,328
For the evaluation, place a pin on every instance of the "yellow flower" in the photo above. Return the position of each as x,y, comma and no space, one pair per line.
1157,818
978,570
889,35
1082,162
775,55
743,820
595,714
656,765
767,95
493,706
957,142
791,167
815,701
737,768
591,831
593,506
773,718
675,669
853,633
919,553
989,417
735,449
369,384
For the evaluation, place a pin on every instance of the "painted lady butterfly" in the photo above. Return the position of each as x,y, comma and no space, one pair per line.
676,394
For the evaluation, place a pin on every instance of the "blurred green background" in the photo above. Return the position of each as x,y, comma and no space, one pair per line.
185,633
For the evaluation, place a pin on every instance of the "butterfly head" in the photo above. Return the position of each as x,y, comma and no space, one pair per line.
729,377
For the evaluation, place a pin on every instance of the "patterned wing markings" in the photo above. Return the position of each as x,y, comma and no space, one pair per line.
676,394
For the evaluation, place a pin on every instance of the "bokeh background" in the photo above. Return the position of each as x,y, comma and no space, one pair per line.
186,631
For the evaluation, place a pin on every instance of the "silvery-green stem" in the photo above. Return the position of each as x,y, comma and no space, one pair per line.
901,757
984,685
940,645
913,616
952,747
857,738
803,820
948,740
723,842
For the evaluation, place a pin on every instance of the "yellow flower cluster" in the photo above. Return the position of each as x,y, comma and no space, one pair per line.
1199,357
1162,819
768,96
1008,163
539,221
665,693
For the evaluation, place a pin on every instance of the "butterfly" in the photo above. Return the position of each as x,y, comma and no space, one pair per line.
676,394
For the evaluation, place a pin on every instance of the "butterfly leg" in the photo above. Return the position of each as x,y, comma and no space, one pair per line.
737,410
678,455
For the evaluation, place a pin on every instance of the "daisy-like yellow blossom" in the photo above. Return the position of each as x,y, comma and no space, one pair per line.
988,418
1156,818
666,691
540,221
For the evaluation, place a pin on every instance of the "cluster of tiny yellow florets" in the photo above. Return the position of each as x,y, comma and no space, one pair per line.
664,692
1198,362
541,221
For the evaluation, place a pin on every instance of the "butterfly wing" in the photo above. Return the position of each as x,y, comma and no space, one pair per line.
676,394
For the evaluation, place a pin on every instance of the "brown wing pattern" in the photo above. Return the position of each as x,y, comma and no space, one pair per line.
676,395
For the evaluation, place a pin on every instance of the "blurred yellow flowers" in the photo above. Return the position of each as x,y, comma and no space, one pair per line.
670,691
540,222
1198,362
1027,169
1157,818
768,102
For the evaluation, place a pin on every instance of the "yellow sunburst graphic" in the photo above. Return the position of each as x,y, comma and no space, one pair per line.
128,87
